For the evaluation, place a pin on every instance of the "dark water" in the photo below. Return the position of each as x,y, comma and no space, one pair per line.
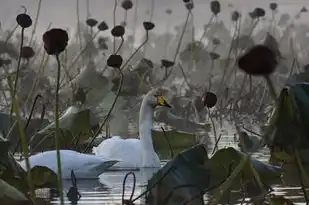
108,189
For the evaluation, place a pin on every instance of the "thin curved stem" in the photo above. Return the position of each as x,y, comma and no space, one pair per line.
152,10
18,66
182,34
78,25
23,141
36,21
135,19
109,112
57,130
82,51
114,24
271,87
122,41
168,142
207,27
29,119
134,53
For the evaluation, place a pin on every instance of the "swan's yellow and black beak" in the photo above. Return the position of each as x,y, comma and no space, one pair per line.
162,102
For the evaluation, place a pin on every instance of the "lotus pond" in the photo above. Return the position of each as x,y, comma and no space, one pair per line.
221,96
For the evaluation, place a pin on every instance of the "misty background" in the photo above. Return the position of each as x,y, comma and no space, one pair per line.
63,13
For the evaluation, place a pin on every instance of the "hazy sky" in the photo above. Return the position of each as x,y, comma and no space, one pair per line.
62,13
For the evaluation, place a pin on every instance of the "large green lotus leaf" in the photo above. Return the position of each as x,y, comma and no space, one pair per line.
5,126
43,177
75,122
190,174
282,127
301,97
225,162
7,161
10,193
180,179
289,125
179,141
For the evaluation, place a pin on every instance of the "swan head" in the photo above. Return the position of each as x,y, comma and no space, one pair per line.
156,98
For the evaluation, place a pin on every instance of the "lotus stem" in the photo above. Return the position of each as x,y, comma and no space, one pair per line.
271,87
109,112
60,185
78,25
213,125
134,53
15,108
168,142
114,24
29,119
181,37
216,145
135,19
17,69
302,174
207,27
35,21
122,41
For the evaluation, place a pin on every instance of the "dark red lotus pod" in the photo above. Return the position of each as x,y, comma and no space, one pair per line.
259,60
148,26
55,41
27,52
252,14
118,31
91,22
273,6
215,7
167,63
214,55
210,99
24,20
259,12
127,4
235,16
169,11
102,26
114,61
189,6
303,10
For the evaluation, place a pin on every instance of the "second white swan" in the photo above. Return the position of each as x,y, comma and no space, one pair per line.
135,153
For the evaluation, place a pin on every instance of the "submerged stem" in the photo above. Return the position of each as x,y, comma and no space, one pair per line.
56,134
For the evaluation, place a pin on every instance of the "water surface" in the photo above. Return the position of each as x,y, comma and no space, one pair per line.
108,189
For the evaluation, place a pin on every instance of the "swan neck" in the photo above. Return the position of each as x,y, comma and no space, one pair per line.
145,126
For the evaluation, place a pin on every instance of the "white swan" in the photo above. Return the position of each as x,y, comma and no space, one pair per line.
85,166
135,153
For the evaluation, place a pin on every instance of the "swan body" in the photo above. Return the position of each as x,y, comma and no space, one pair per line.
135,153
85,166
